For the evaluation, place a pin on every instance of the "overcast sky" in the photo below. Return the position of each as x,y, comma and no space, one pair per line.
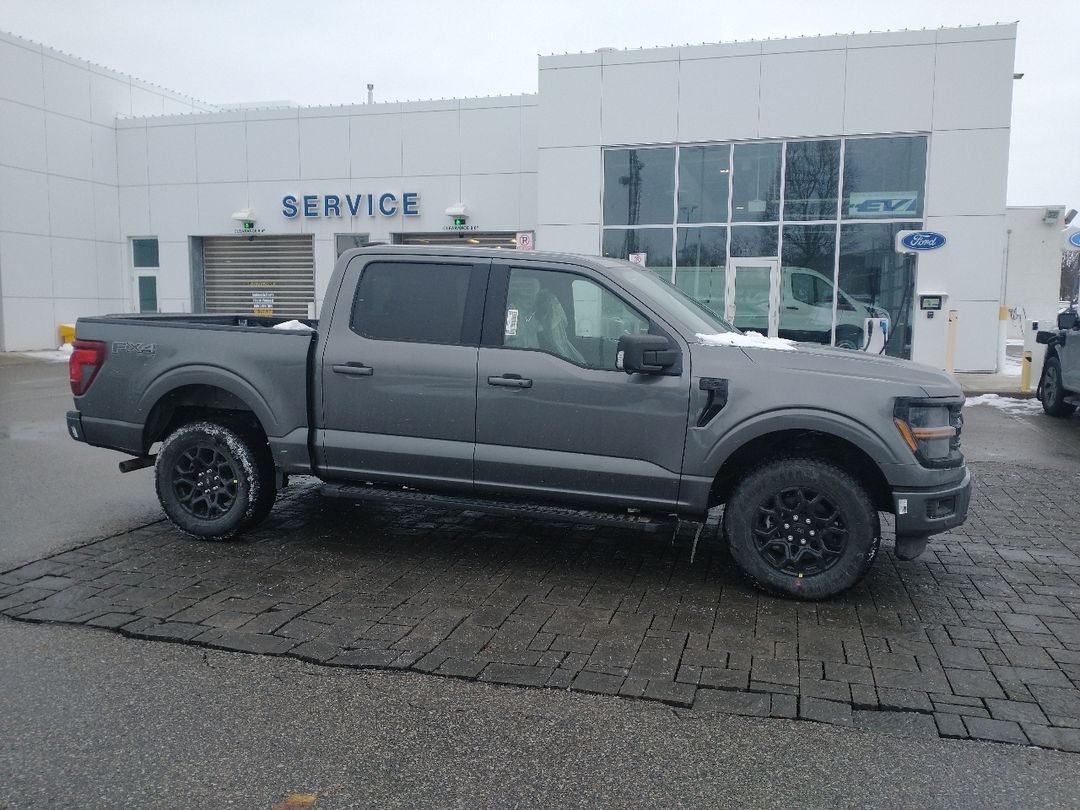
326,52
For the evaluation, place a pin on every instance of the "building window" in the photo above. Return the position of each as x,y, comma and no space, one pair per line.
348,241
701,264
655,243
639,186
884,178
145,261
811,179
755,194
704,172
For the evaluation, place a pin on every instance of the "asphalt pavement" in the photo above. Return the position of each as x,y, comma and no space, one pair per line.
93,719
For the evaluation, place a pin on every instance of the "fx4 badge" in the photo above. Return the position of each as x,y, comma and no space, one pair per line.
134,348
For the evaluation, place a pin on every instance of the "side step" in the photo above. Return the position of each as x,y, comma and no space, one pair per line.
491,506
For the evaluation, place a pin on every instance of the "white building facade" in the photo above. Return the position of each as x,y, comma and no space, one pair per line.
769,179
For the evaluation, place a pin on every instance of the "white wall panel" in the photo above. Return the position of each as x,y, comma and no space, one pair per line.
29,324
569,107
802,93
273,149
67,88
431,143
71,207
529,132
134,211
217,202
106,212
113,277
491,140
103,149
569,186
68,146
27,263
265,200
494,201
324,147
132,165
976,335
436,193
718,98
221,151
968,172
375,145
24,203
528,201
889,89
74,268
640,103
171,152
22,136
21,74
109,97
69,310
146,102
174,280
174,210
973,85
569,238
969,266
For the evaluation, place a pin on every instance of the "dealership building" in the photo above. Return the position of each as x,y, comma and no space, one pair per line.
774,180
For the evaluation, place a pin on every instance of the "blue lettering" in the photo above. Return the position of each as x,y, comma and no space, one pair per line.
288,206
370,204
409,202
311,205
354,204
332,202
382,204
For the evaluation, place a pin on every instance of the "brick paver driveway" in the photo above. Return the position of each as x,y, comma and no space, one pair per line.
978,638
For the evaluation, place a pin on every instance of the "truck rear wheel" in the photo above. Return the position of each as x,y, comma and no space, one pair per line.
802,528
1053,392
214,480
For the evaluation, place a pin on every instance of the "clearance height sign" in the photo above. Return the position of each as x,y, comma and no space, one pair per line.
386,204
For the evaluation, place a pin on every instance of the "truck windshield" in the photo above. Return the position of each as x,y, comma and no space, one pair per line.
695,315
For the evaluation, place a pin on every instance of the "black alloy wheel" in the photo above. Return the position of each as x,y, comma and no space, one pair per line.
799,532
204,481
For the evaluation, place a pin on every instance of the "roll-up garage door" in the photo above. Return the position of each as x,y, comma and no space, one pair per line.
268,275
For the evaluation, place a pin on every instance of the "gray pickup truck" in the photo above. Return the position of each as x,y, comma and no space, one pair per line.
559,386
1059,383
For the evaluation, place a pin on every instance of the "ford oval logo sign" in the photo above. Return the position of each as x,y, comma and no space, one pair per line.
923,240
1075,239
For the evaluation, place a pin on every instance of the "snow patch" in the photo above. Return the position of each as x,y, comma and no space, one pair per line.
749,340
294,326
1009,405
59,355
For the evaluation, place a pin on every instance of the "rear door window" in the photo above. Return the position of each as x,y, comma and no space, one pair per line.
412,301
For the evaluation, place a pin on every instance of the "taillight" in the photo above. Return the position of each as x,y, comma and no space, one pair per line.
86,358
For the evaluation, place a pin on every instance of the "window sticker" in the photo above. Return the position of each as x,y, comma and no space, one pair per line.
511,321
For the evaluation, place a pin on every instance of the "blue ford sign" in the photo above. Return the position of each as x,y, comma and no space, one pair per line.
923,240
353,205
1075,239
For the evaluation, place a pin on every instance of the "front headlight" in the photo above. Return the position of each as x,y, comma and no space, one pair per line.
931,429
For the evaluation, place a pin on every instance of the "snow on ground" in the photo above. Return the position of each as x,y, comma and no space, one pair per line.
749,340
59,355
1009,405
294,326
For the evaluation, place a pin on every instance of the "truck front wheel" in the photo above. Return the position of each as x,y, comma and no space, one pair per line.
1053,392
214,480
802,528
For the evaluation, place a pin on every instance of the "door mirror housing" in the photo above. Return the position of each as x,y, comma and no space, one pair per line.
1067,319
645,354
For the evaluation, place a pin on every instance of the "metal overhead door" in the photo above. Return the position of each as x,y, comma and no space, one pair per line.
267,275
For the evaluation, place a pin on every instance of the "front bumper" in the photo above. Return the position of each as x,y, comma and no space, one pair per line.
924,512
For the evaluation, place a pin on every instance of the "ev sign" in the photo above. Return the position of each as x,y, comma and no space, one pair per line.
525,240
883,203
918,241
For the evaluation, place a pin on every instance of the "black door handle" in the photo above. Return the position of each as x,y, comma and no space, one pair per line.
510,381
353,369
790,307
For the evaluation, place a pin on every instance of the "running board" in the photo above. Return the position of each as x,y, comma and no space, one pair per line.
491,506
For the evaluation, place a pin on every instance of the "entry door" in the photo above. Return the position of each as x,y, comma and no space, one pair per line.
399,372
554,415
755,302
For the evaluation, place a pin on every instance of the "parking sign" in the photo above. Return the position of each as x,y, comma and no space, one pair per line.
525,240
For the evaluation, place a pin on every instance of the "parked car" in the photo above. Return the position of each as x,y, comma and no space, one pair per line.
557,386
1059,383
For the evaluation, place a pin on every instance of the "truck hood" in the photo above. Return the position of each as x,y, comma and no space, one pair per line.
826,361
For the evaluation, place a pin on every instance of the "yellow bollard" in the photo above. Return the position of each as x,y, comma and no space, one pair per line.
1025,373
67,333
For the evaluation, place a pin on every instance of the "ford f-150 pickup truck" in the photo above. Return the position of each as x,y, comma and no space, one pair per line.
562,386
1059,383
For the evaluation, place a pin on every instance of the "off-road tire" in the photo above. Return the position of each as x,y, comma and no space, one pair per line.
215,479
1053,392
843,513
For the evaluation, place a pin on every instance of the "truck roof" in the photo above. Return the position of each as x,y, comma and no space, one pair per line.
484,253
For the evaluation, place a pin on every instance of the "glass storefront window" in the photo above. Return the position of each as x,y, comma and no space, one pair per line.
754,240
876,281
756,183
655,243
639,187
704,173
806,278
700,264
884,177
811,179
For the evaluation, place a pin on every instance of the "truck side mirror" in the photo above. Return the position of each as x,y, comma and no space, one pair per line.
645,354
1067,319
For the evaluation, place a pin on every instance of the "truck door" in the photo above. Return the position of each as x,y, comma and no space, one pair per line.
554,414
398,371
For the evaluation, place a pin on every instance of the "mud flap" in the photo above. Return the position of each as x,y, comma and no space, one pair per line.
908,548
